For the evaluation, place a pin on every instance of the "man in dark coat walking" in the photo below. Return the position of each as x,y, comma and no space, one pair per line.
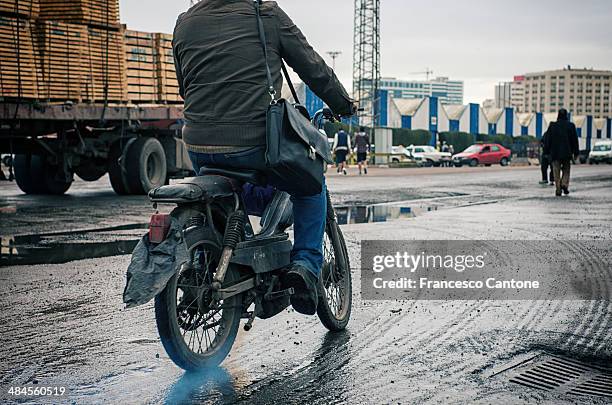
561,144
545,163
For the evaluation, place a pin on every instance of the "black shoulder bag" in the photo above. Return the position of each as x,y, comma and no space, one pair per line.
296,152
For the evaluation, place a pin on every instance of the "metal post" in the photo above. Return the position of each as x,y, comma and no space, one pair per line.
366,60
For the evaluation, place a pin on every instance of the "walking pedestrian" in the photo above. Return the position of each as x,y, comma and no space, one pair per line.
546,164
341,147
561,143
362,148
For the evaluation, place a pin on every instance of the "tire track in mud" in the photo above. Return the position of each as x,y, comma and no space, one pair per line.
583,324
412,305
536,318
428,335
364,350
451,367
424,334
597,320
425,331
535,312
531,315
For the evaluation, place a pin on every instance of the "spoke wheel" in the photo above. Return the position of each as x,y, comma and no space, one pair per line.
335,287
196,330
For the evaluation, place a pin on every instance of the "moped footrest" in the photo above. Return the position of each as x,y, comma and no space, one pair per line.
279,294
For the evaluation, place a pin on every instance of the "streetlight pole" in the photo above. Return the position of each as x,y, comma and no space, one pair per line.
333,55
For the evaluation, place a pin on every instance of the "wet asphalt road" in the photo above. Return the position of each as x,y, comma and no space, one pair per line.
64,324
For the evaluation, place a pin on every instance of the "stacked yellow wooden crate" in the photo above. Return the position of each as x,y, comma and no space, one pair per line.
60,50
23,8
81,51
91,12
168,84
107,78
141,59
18,58
150,68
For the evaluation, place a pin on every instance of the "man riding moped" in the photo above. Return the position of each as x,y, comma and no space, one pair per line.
221,72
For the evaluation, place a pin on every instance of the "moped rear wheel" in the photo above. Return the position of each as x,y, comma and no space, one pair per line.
335,287
197,331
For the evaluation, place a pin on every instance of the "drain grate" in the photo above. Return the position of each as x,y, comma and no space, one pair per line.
563,375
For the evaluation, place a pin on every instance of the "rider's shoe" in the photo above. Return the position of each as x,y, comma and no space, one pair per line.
305,298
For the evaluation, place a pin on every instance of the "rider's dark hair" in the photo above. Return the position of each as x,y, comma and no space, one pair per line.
563,115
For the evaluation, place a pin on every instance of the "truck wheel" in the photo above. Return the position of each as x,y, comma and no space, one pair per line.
146,165
117,178
27,170
35,176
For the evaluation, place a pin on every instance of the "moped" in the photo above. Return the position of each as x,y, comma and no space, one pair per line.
229,272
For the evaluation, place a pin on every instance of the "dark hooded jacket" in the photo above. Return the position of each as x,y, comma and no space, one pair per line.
222,76
561,140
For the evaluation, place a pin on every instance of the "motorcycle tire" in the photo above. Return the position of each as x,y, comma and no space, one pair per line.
335,287
185,349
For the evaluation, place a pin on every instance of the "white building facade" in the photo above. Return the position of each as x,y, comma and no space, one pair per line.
446,90
511,94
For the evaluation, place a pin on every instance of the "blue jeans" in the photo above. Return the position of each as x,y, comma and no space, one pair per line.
309,213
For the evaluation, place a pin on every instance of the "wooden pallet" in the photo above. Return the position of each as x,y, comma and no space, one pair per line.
61,51
20,8
18,59
91,12
80,63
141,61
166,71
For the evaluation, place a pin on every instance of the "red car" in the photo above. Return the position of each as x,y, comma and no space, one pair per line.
483,154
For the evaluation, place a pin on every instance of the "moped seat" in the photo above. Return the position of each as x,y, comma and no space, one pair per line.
194,189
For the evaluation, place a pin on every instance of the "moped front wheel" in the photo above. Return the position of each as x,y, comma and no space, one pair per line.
335,287
196,330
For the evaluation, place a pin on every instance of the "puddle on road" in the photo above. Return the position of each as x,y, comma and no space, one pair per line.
58,248
63,247
364,214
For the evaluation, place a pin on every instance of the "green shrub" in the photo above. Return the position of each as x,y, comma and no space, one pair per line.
407,137
459,140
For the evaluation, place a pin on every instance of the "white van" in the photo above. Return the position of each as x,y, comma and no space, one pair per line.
601,152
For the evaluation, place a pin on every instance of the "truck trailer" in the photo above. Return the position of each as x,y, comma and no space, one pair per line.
139,146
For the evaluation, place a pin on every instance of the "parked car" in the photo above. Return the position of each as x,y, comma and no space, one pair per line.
601,152
426,155
399,154
486,154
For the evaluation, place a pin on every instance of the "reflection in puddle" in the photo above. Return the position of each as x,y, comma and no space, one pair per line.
64,247
363,214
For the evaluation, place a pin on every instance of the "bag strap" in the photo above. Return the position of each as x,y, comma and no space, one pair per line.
262,39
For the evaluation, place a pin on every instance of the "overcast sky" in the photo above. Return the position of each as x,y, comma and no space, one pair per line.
479,41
